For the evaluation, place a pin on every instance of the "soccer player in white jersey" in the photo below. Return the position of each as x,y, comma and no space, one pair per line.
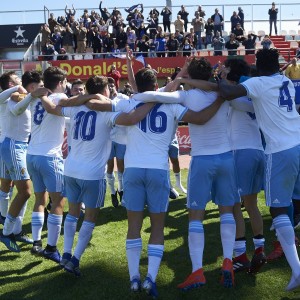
211,174
9,83
273,95
45,164
146,176
13,151
84,173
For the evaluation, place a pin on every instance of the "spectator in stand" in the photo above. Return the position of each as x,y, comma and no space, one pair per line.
192,38
97,42
81,32
152,26
115,74
61,21
218,43
48,51
249,43
152,47
242,16
139,19
209,29
132,8
133,14
141,31
52,23
119,22
184,16
46,34
234,20
121,40
218,22
89,35
198,24
154,12
161,45
62,54
232,45
187,47
273,18
69,13
67,39
143,45
104,13
172,45
166,13
179,24
266,42
56,39
239,33
200,11
131,38
293,70
178,36
108,45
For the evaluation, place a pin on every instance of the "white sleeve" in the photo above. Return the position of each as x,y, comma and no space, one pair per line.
242,104
161,97
6,94
18,108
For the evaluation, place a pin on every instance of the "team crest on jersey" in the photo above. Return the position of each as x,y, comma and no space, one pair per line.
23,171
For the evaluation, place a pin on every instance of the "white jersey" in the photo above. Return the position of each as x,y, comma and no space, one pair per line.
47,130
90,144
4,96
274,106
244,130
17,127
148,141
208,139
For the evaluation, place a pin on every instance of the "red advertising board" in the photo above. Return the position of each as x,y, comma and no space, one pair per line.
165,66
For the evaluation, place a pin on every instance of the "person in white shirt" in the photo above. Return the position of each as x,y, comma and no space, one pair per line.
146,176
211,173
85,166
13,151
272,95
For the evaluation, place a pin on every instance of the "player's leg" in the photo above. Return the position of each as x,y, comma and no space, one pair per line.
120,154
110,175
134,201
282,176
4,195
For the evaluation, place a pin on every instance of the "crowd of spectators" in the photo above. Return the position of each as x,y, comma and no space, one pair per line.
66,35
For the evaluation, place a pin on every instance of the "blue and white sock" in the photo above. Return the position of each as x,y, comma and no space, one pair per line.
9,224
239,247
69,232
85,234
286,236
196,244
133,253
19,220
120,181
111,182
37,222
155,254
54,227
227,229
4,198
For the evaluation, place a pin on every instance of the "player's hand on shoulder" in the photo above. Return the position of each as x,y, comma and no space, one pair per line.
39,92
21,90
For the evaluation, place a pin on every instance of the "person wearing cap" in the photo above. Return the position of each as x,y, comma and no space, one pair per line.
273,12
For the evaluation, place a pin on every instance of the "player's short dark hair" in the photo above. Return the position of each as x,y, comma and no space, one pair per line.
52,77
31,77
96,84
238,67
77,82
111,80
199,69
146,80
4,80
267,61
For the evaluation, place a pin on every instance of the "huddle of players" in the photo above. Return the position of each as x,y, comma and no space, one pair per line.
216,128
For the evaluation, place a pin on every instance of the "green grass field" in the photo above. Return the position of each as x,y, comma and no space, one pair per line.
104,267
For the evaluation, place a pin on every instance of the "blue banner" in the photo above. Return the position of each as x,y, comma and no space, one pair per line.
297,89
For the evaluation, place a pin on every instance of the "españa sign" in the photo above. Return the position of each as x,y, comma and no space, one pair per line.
165,66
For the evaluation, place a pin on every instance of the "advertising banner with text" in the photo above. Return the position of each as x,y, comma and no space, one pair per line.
165,66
